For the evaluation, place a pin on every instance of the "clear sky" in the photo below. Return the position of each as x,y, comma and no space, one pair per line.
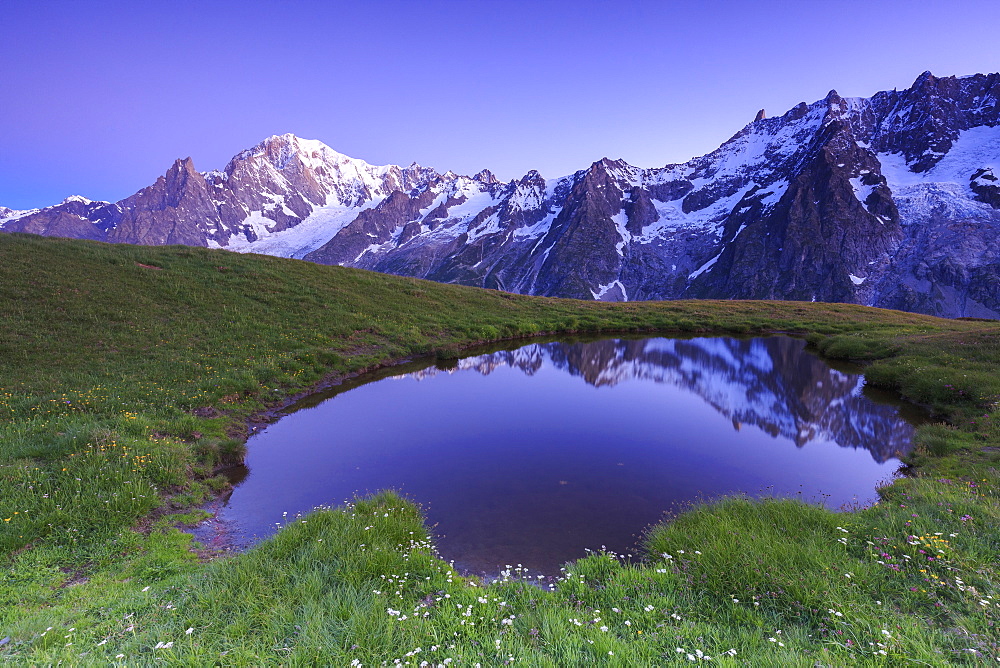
98,98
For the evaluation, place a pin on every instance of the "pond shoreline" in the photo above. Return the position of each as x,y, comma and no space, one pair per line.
221,536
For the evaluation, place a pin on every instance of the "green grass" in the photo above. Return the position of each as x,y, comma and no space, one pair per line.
124,388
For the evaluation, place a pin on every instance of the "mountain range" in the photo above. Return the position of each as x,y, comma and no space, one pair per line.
889,201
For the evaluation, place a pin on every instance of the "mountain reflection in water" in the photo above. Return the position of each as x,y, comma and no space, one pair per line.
770,383
515,460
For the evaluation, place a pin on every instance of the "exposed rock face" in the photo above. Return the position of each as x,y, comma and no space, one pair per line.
985,184
890,201
835,216
75,217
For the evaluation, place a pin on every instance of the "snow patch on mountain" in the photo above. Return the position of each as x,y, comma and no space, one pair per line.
489,226
460,215
539,229
8,215
945,188
703,268
922,202
975,148
773,193
862,191
611,292
759,148
711,219
620,220
526,197
276,202
78,198
317,229
673,218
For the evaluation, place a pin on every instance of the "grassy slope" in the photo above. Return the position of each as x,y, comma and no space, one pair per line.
107,364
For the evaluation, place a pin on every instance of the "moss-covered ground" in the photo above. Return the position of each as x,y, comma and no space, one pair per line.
127,375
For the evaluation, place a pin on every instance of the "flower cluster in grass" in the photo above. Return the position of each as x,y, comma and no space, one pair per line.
883,578
101,486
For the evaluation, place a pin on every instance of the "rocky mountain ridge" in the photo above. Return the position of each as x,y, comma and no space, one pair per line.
890,201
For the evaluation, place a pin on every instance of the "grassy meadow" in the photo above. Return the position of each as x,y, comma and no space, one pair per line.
128,375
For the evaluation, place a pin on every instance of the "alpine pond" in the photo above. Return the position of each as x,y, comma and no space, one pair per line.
533,455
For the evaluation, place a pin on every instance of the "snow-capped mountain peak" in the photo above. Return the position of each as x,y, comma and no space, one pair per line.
892,200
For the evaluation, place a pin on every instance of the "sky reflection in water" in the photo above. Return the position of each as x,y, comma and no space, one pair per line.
531,455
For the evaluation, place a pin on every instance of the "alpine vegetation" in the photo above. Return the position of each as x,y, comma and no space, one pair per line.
131,375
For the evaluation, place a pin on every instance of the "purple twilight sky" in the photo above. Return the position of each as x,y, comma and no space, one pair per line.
99,98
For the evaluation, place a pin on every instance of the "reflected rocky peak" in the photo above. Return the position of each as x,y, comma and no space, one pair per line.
770,383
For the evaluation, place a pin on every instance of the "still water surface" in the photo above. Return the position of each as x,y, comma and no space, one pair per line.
533,454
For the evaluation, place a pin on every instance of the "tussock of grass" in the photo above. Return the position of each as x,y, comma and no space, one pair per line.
123,388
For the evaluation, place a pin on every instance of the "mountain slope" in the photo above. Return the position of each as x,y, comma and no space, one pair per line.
889,201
